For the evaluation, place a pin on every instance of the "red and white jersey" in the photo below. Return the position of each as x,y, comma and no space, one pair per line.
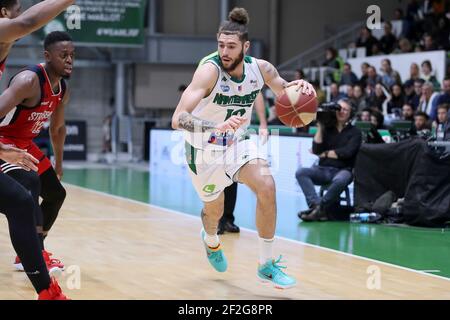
2,68
22,123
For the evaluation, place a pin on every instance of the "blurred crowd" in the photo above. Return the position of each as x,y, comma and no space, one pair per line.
382,96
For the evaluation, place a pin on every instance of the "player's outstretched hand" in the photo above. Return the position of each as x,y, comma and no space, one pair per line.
18,157
304,86
233,123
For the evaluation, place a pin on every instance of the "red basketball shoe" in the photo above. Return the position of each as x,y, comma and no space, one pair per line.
54,292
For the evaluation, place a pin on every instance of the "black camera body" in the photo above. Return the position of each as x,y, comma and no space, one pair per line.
326,114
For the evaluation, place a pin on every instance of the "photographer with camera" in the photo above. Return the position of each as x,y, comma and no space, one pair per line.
336,143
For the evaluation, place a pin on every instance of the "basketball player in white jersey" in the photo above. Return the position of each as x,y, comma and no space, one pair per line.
214,111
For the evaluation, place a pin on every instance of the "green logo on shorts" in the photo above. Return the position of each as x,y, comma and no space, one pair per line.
209,188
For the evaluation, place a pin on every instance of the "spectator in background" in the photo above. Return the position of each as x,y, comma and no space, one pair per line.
440,7
372,79
412,10
388,40
406,26
442,115
359,99
427,75
409,93
371,136
418,48
414,72
441,121
443,98
350,94
427,98
398,14
376,49
332,61
417,92
443,30
390,76
377,119
397,100
404,46
428,43
425,9
366,40
299,75
421,121
378,100
364,74
365,115
335,95
348,77
407,112
412,17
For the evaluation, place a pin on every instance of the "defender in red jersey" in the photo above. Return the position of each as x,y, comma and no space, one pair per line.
36,95
14,198
24,122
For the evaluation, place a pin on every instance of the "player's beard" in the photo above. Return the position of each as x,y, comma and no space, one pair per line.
235,63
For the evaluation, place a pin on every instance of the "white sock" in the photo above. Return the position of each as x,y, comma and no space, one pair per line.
212,241
265,250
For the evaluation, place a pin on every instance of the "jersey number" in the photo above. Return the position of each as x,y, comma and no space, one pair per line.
232,112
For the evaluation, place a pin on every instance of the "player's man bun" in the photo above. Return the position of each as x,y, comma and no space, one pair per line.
237,22
239,15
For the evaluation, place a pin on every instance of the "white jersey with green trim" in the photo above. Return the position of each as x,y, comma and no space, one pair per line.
229,97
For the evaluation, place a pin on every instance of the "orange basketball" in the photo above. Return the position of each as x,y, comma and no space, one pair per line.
295,109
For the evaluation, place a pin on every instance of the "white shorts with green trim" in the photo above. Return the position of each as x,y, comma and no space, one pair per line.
214,170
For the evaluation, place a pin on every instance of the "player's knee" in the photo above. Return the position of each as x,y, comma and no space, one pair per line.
54,194
266,188
24,204
60,194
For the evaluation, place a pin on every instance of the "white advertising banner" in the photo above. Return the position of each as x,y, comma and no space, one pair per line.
402,63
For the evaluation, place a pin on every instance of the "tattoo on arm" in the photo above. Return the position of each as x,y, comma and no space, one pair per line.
272,73
191,123
270,70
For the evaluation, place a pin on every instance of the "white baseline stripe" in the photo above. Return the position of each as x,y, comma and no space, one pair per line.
253,231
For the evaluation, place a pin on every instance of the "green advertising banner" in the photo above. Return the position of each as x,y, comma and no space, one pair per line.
103,22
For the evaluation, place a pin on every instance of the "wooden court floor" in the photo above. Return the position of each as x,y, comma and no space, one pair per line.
120,249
